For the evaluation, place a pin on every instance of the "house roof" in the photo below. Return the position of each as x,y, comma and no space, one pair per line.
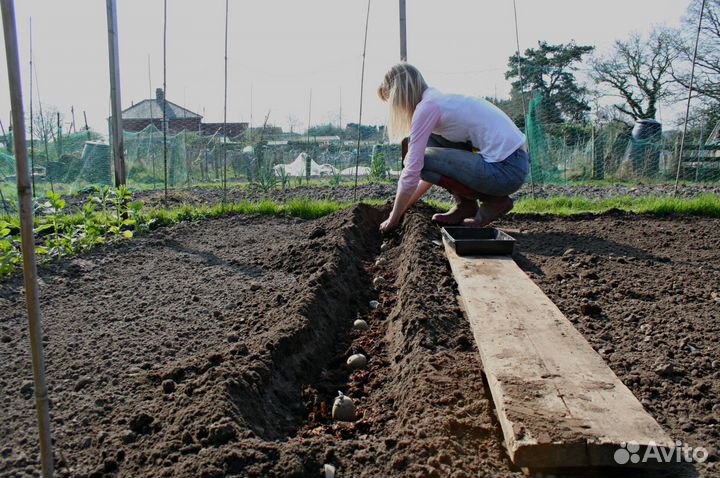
153,108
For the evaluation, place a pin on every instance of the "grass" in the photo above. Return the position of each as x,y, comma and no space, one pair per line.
703,205
303,208
77,228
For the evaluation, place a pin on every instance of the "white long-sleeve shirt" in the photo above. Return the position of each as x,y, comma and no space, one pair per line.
460,119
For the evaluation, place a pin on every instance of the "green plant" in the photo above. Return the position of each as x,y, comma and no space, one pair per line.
50,211
10,253
284,177
378,170
335,178
266,180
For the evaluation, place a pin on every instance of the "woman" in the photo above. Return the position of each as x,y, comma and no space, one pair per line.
465,145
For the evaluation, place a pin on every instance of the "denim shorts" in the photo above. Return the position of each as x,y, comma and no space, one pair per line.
457,161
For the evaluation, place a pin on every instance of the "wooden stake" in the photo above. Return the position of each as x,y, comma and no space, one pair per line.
164,105
522,99
687,108
72,128
32,134
308,159
116,119
225,108
362,85
59,138
32,292
403,32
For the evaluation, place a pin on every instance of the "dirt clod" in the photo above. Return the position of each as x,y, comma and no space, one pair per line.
140,423
168,386
26,389
82,383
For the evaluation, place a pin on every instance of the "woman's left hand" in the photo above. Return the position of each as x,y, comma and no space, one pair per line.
389,224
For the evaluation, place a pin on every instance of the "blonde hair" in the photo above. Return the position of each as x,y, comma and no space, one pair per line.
402,87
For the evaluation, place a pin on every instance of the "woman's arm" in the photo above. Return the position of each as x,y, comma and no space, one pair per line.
410,187
403,201
422,188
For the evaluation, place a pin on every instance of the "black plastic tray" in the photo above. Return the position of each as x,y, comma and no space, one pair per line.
478,240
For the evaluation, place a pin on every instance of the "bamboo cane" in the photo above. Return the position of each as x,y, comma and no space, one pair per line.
116,121
26,233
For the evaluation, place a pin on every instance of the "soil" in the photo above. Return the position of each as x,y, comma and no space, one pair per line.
645,292
216,348
210,195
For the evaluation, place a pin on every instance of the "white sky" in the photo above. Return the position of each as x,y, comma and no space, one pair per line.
284,48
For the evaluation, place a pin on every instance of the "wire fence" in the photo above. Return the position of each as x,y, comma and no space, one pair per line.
568,152
166,144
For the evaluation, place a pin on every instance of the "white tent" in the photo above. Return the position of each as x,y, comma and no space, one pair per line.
297,167
361,171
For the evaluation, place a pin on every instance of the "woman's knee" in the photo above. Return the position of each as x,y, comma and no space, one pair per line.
435,159
428,176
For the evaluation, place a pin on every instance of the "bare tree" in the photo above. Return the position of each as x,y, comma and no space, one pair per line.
45,124
45,128
293,123
639,72
707,64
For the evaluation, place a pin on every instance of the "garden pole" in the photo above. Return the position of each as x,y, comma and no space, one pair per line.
225,108
403,32
687,108
72,128
164,99
87,128
26,232
340,118
522,98
308,159
32,133
59,137
116,120
362,83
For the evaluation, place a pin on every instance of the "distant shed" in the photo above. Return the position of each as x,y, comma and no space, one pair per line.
140,115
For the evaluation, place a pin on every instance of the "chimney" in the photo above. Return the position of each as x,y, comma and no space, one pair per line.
159,94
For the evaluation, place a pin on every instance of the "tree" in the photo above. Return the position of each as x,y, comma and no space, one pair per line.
378,170
511,106
639,72
327,129
367,132
707,65
550,70
44,122
293,123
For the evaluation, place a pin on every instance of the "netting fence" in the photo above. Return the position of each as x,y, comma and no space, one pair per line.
567,152
80,161
570,139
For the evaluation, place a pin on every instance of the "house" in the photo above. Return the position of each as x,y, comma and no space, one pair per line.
140,115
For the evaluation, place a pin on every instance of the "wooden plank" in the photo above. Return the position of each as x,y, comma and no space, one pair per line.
558,402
